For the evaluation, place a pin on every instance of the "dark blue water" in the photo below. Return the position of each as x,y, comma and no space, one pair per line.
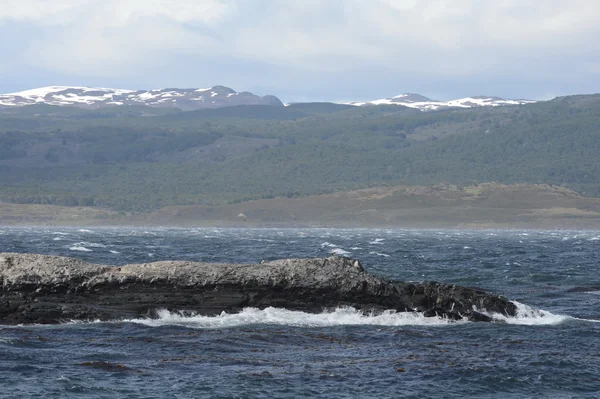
277,353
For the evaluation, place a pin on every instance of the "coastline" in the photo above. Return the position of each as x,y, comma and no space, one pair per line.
485,206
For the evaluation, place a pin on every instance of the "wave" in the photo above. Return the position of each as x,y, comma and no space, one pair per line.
85,246
335,249
283,317
530,316
328,244
92,244
79,248
379,254
346,316
340,251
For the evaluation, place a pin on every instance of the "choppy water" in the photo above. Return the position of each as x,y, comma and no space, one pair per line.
551,350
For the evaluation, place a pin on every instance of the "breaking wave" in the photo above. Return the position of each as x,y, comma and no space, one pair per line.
79,248
346,316
530,316
277,316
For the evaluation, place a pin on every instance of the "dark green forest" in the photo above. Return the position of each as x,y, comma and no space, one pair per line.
139,158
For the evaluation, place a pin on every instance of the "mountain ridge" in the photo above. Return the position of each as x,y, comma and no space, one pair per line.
214,97
128,160
413,100
98,97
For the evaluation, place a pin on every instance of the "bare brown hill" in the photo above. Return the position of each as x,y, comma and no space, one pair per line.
487,205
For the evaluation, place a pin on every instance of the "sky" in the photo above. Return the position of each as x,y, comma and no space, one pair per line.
306,50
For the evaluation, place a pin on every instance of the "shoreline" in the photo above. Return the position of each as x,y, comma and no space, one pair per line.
289,227
486,206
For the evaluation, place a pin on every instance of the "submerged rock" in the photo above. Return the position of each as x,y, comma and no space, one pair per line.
51,289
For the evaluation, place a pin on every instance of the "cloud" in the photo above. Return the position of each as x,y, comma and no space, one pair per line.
59,12
426,39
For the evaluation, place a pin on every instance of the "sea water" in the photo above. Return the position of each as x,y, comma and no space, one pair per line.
551,349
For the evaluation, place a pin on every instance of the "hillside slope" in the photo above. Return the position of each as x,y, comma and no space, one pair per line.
482,206
132,162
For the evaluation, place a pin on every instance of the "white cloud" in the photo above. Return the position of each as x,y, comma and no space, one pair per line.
38,10
121,11
442,38
116,37
205,11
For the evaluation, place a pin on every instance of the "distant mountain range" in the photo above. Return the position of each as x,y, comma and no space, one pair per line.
140,159
423,103
92,97
213,97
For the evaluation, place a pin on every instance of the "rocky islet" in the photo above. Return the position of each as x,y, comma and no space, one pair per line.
51,289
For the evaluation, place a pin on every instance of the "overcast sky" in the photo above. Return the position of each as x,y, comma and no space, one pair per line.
332,50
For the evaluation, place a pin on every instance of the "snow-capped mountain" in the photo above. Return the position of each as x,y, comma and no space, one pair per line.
212,97
92,97
426,104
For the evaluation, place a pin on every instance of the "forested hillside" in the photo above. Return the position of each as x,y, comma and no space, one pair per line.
140,159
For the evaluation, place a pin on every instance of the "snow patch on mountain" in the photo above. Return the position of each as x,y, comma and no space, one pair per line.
96,97
423,103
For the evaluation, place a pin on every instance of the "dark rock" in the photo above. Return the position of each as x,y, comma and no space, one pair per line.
51,289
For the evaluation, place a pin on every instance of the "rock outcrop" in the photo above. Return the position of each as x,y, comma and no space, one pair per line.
52,289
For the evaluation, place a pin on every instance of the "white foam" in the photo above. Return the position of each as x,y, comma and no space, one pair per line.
344,316
328,244
530,316
114,252
339,251
92,244
85,231
80,248
277,316
379,254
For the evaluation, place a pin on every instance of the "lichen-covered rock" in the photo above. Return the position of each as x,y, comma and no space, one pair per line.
51,289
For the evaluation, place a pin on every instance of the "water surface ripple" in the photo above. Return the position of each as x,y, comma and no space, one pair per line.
340,354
